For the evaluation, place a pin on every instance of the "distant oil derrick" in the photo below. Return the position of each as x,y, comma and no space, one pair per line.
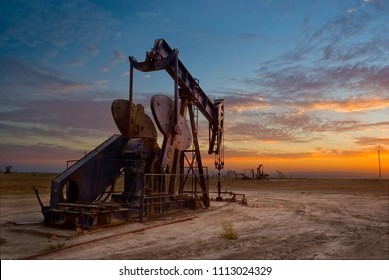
8,169
260,173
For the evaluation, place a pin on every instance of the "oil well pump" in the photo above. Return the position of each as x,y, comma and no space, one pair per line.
156,179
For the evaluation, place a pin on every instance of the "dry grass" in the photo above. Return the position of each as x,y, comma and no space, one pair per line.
22,183
324,185
56,246
229,232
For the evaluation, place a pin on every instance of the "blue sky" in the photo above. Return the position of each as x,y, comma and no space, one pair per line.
305,83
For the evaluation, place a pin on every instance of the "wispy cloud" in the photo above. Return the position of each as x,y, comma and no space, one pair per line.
350,126
349,104
58,23
76,63
345,55
24,79
38,157
66,122
146,15
297,127
244,101
318,82
248,36
257,131
91,48
62,113
118,57
376,141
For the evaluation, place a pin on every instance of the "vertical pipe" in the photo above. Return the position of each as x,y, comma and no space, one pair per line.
379,165
176,90
142,204
131,83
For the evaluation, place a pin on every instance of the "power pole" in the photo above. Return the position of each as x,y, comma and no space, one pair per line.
379,165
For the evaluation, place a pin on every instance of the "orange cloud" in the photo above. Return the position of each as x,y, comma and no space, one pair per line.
352,104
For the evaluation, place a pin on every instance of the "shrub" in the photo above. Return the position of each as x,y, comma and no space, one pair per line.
229,232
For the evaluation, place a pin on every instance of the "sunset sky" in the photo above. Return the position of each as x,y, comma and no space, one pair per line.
305,83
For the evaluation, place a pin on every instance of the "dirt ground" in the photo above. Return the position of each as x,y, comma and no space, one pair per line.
285,219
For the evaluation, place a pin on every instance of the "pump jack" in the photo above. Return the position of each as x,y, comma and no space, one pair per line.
155,178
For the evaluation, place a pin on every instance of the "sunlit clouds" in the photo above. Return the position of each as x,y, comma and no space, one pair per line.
351,104
306,85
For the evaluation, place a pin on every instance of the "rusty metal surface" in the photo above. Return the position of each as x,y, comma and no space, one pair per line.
162,57
89,177
187,88
132,121
177,136
161,107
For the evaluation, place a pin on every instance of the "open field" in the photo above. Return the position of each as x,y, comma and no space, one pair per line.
284,219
